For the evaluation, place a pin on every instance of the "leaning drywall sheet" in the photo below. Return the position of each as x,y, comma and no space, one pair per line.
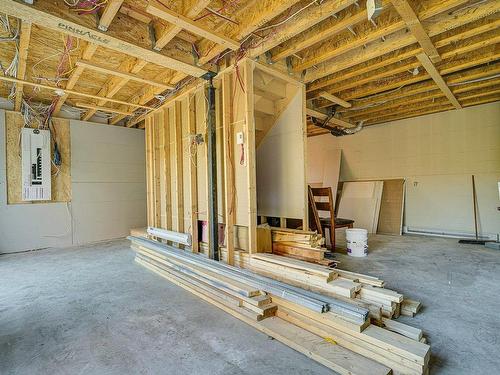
391,207
360,202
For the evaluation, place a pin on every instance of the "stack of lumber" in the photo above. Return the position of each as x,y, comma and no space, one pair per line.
248,301
363,290
299,244
324,332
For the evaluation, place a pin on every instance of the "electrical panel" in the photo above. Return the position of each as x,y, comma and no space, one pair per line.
36,172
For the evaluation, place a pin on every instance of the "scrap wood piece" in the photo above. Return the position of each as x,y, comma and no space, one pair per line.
297,264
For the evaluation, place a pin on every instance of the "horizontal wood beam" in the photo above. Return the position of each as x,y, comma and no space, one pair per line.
165,33
117,73
110,10
322,116
410,18
70,92
54,16
103,109
433,72
335,99
159,10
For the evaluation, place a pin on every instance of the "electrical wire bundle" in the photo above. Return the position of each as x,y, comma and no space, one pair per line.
12,35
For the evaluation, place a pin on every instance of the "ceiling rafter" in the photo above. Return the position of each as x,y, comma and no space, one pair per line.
412,21
110,10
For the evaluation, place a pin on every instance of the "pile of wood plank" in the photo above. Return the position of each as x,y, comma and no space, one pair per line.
364,290
299,244
338,342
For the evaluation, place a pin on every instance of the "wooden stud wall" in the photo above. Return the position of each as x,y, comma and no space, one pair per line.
177,166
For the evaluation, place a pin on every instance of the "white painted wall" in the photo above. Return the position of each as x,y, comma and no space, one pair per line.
437,154
108,193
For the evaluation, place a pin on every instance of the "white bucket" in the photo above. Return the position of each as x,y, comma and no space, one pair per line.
357,242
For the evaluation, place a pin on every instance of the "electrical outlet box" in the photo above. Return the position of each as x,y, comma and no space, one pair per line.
35,169
240,139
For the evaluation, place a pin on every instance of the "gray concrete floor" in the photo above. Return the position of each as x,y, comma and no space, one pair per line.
92,310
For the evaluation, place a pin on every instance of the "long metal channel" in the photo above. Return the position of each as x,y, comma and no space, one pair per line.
314,301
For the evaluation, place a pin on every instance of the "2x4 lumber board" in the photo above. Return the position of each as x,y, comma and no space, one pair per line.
326,272
116,72
322,31
71,92
378,337
53,16
250,152
343,338
335,99
335,357
334,120
213,298
102,109
403,329
305,20
364,279
436,76
229,179
156,169
110,10
258,301
149,166
74,76
166,166
179,178
410,18
23,47
165,33
192,175
157,9
205,273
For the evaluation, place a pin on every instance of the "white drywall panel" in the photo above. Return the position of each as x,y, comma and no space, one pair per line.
109,189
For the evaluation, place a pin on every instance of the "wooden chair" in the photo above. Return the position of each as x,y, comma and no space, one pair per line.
321,223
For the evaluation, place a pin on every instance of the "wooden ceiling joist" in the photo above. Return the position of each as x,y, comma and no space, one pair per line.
410,18
336,100
159,10
24,41
433,72
165,33
71,92
102,109
115,72
56,17
110,10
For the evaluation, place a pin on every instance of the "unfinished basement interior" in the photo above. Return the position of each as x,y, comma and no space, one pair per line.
249,187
